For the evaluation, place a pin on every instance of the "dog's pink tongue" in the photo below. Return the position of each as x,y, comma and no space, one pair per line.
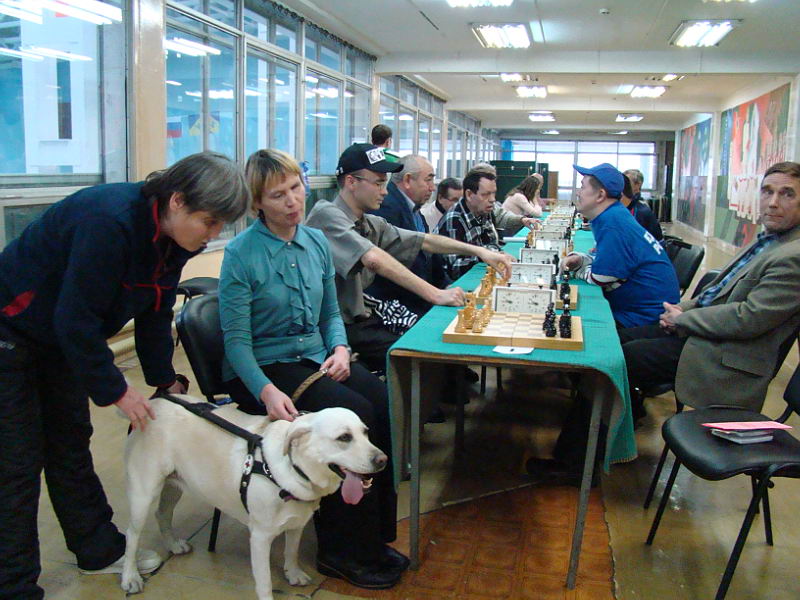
352,490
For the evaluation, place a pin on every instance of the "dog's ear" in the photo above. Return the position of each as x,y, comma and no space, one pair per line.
296,431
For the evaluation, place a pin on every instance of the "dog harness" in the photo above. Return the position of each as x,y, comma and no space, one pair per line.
205,410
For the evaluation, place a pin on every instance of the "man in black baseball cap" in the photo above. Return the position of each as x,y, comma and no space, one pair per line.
363,245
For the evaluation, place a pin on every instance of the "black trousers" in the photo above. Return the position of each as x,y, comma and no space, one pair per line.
45,425
651,356
372,340
360,530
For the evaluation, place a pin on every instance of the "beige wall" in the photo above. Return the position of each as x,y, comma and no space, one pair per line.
203,265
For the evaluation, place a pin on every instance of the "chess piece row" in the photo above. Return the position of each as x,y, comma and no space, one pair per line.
564,322
472,319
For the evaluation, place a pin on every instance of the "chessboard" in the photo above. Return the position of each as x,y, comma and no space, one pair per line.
573,294
516,329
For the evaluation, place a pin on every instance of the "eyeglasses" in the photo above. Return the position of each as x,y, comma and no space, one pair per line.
381,185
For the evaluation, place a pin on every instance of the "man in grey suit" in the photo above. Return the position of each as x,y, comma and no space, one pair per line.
721,347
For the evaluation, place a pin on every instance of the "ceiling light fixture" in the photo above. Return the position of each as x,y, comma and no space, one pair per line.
623,132
18,9
692,34
541,115
189,47
648,91
669,77
479,3
510,77
550,132
53,53
532,91
628,118
502,35
21,54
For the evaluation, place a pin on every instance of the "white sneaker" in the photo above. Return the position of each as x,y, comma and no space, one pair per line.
147,561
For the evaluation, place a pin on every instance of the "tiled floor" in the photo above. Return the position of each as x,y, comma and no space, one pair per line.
685,563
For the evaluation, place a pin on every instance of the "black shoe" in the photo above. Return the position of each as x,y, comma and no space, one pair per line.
394,560
553,472
437,416
370,576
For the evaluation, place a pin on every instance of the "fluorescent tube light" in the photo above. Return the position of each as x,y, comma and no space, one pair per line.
198,46
550,132
543,116
502,35
648,91
479,3
702,34
628,118
53,53
21,10
623,132
510,77
20,54
669,77
71,11
532,91
170,82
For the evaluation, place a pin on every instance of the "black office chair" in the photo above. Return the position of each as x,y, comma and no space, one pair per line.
686,259
198,286
715,459
663,388
201,333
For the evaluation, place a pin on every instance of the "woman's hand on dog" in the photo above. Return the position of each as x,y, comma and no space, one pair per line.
279,405
136,407
337,365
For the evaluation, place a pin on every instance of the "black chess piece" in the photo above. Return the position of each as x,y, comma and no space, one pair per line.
553,283
549,323
555,259
565,324
564,292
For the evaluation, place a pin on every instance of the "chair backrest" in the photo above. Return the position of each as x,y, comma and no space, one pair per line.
201,335
707,278
686,262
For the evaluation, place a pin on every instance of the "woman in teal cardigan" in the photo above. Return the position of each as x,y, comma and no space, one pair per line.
280,317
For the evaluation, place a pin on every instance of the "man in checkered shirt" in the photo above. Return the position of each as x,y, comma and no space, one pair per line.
475,220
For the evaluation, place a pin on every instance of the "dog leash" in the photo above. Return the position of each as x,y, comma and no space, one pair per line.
205,410
313,378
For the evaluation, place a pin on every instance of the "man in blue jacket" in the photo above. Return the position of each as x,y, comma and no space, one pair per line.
73,279
408,191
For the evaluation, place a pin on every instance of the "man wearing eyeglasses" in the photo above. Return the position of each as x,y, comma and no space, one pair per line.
364,245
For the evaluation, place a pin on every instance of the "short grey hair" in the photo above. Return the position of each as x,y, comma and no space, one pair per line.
208,181
484,167
635,176
412,165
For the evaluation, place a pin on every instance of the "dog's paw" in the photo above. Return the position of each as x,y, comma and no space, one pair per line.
180,546
132,584
297,577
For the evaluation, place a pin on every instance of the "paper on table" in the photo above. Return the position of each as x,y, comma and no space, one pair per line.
747,425
512,350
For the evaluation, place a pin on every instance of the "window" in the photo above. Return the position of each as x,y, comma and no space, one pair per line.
408,92
387,114
358,65
270,102
424,138
406,130
323,48
321,117
201,84
389,85
271,23
356,114
221,10
62,122
436,147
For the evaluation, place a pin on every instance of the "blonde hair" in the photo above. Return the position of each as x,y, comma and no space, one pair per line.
267,167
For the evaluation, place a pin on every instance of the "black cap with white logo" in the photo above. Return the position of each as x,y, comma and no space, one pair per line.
365,156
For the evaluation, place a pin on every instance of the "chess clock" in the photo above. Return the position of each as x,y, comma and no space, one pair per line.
537,255
527,273
551,233
559,245
522,299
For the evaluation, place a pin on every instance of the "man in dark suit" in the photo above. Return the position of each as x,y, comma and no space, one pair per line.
721,347
408,190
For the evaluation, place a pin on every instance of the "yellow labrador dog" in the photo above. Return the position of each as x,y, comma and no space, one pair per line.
309,458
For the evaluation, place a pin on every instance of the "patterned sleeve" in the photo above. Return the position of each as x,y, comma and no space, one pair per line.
453,227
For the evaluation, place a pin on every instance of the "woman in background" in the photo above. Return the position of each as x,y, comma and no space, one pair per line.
522,200
281,322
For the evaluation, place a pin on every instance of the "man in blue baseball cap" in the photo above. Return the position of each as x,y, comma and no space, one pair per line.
628,263
636,276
